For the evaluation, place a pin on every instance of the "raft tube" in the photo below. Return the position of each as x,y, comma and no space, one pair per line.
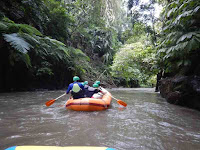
89,104
58,148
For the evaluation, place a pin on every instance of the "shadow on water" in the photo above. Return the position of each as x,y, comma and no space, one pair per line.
148,122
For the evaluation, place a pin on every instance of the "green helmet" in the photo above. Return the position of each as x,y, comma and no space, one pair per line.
84,83
76,78
97,82
95,85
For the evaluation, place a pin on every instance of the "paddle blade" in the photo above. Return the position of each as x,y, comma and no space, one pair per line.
50,102
120,102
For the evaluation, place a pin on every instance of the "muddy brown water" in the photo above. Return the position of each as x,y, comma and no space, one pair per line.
148,122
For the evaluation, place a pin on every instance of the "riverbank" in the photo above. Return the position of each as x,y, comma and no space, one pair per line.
181,90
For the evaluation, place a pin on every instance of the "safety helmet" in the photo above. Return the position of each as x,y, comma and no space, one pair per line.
86,82
76,78
95,85
97,82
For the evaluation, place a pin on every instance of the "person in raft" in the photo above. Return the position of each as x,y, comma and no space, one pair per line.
91,90
86,86
101,91
104,91
76,88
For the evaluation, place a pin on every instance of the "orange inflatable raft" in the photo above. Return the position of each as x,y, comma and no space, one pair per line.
90,104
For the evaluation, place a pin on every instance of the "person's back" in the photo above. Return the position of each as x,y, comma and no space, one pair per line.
101,91
86,86
76,88
99,94
91,91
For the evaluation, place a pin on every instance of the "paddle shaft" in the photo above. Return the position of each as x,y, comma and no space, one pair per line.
100,75
107,91
120,102
60,96
50,102
113,97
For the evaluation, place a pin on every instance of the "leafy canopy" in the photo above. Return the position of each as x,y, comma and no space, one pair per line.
180,36
134,61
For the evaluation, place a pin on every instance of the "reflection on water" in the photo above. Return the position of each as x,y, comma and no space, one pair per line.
148,122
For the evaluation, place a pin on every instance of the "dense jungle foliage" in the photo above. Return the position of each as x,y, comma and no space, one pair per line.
44,43
179,43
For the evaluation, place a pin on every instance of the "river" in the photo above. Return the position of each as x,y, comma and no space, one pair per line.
148,122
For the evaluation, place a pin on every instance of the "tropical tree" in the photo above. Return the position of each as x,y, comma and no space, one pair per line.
178,48
144,13
135,62
48,41
45,60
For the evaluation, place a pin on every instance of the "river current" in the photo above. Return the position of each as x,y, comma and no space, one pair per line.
147,123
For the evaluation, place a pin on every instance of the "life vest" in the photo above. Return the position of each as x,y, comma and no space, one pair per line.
98,95
86,86
104,91
76,88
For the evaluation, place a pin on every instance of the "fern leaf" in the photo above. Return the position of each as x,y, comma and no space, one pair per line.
65,50
17,42
29,29
3,27
186,36
56,42
31,39
196,9
27,60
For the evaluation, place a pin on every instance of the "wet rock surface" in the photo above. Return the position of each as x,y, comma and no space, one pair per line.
181,90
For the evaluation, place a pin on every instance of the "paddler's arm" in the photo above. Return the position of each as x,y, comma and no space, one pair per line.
102,90
69,88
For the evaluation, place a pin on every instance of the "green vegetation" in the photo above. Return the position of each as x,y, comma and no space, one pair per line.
179,45
53,41
44,43
41,57
134,62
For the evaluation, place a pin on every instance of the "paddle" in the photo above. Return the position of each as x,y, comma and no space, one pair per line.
101,75
50,102
120,102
